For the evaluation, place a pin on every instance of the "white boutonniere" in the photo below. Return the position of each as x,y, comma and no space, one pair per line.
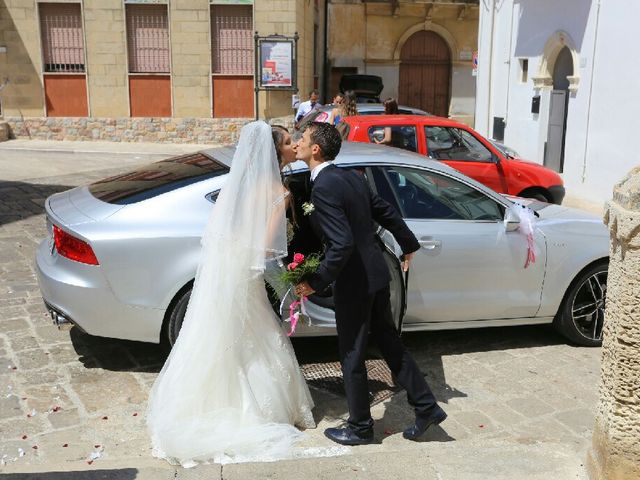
308,208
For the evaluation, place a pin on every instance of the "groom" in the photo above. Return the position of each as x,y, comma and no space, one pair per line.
344,211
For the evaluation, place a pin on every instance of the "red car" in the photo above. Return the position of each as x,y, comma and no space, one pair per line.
460,147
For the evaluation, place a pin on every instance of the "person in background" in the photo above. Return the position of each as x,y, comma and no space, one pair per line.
306,107
390,108
345,109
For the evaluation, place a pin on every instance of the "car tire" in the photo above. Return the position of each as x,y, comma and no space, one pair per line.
396,289
581,315
179,309
541,197
176,317
536,194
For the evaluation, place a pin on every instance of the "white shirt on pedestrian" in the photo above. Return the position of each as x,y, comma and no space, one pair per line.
305,108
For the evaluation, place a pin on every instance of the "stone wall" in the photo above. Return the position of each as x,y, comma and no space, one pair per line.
190,58
106,55
4,131
104,29
615,454
21,62
370,36
157,130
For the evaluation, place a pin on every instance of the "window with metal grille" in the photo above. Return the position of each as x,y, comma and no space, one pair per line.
62,39
232,39
148,38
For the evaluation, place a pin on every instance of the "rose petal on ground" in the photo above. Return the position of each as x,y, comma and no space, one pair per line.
135,414
105,418
35,447
96,446
24,437
65,445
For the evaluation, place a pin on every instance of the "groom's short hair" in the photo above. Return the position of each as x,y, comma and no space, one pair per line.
327,137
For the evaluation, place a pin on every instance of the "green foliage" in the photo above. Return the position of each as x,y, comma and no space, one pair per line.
293,276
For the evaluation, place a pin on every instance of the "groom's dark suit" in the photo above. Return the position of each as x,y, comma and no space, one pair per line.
344,213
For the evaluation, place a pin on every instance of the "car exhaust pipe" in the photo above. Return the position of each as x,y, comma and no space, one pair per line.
60,321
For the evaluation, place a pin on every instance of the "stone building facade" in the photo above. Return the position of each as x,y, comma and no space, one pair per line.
425,52
146,69
550,87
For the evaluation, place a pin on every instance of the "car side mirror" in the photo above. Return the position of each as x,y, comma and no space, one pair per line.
511,220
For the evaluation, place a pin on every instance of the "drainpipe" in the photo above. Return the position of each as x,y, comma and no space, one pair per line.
593,69
490,63
510,60
325,59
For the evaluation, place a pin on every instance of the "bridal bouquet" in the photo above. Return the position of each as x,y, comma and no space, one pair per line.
295,273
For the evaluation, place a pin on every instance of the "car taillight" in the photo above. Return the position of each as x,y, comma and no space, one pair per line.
73,248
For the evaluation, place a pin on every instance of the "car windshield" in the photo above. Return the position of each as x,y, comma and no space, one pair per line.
157,178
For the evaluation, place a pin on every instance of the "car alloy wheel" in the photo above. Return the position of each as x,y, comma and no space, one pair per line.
582,316
588,306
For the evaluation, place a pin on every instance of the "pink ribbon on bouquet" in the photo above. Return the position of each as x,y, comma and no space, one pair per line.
295,316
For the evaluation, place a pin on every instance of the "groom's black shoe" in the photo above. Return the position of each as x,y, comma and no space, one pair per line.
437,416
347,436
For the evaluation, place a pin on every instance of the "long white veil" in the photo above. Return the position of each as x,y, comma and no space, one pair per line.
200,391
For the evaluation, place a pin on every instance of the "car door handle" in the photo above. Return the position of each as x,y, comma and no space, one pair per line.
429,243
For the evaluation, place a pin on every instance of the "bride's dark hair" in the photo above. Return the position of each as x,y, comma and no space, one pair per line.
277,132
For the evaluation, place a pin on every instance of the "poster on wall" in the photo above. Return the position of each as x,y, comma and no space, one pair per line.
276,61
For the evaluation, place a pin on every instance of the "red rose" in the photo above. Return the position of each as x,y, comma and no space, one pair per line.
292,266
298,258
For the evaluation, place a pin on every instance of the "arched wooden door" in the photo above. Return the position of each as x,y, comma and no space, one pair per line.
425,73
558,110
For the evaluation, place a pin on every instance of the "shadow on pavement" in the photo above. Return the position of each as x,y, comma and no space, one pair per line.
117,355
19,200
116,474
428,349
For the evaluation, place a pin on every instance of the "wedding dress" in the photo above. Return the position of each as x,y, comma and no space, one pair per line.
231,389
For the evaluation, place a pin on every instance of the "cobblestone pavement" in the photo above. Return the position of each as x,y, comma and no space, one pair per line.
69,401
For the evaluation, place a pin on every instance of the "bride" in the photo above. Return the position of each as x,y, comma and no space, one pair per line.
231,389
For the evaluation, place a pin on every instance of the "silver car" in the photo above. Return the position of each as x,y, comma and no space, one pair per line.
121,253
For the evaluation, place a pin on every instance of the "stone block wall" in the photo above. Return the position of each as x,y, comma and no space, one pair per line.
615,454
190,58
105,34
285,17
219,131
21,62
4,131
107,63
